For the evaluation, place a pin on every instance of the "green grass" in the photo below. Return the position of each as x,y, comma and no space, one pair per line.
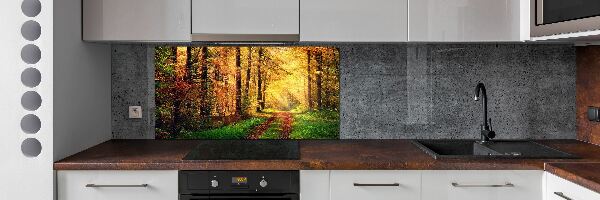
308,125
238,130
316,125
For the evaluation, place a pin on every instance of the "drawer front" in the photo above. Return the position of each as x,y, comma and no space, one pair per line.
117,185
560,189
482,185
376,185
314,184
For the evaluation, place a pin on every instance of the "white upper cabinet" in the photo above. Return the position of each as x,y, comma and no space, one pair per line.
136,20
468,20
245,20
353,20
307,20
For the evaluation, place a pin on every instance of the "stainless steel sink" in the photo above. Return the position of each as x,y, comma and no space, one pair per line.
440,149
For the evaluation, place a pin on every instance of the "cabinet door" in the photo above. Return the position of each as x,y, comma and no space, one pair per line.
468,20
373,184
314,185
217,19
136,20
560,189
482,185
117,185
353,20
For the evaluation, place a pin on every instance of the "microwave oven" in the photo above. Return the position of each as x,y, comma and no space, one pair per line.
554,17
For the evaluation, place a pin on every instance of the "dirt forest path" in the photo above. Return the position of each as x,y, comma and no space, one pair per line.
286,120
286,124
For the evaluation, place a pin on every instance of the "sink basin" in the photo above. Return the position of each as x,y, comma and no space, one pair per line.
440,149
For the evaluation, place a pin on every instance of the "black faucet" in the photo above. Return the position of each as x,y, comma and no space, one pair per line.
486,129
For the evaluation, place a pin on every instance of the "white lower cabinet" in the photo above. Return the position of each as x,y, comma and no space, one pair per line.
116,185
375,185
341,185
482,185
422,185
560,189
314,184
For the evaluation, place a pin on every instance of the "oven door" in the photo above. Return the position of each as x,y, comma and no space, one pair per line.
241,197
552,17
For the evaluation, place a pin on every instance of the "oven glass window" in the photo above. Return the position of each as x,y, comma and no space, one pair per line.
564,10
250,198
241,197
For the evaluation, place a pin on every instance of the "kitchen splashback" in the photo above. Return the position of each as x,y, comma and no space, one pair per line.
390,91
256,92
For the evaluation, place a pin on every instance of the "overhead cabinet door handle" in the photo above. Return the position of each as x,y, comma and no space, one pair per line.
376,185
560,194
116,186
492,185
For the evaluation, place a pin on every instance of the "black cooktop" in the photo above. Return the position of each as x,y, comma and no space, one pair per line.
245,150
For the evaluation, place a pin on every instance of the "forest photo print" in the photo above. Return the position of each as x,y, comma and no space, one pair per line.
255,92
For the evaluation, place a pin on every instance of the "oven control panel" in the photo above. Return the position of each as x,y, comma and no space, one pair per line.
230,182
239,182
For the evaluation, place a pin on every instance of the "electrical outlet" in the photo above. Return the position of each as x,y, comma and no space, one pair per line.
135,112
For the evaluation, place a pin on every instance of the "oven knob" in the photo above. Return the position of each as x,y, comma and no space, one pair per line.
214,183
263,183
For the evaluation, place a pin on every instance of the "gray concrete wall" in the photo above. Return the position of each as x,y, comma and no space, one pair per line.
426,91
411,90
132,85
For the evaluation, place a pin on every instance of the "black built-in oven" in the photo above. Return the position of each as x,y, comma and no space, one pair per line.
238,185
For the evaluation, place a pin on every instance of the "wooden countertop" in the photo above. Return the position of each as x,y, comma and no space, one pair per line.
314,154
584,174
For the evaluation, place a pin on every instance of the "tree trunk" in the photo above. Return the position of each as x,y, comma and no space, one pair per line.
238,82
259,97
248,72
189,65
176,101
264,88
309,81
204,105
319,80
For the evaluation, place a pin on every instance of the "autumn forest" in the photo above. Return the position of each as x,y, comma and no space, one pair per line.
246,92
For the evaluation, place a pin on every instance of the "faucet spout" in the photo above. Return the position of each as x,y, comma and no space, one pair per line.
481,88
486,132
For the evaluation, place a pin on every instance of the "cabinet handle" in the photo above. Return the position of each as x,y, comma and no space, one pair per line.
376,185
115,186
560,194
503,185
